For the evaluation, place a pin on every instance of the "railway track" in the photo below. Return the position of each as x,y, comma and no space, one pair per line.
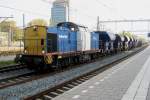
13,75
12,68
15,80
26,75
69,84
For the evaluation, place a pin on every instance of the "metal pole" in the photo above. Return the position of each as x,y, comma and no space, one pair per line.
148,26
23,16
116,27
98,27
9,36
68,10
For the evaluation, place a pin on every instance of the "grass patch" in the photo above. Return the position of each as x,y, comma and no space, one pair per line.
6,63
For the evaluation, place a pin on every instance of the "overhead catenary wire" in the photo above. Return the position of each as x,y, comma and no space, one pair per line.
44,15
25,11
112,10
35,13
101,3
83,13
126,20
5,20
104,5
71,8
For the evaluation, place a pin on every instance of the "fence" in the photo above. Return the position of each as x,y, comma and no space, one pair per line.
10,50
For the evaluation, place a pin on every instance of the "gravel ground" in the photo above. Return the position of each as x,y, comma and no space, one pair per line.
30,88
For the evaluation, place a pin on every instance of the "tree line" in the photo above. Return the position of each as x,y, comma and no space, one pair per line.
11,27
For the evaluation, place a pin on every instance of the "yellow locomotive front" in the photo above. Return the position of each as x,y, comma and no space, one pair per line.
34,40
34,47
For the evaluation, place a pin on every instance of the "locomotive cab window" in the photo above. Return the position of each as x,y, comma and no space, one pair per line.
42,41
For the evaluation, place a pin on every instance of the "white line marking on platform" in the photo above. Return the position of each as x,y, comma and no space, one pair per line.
109,75
114,72
118,69
97,83
76,96
102,80
91,87
106,77
84,91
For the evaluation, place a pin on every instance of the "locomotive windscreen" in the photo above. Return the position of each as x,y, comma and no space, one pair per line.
51,42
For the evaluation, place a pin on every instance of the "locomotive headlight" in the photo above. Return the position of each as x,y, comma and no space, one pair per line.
20,56
43,51
25,51
35,28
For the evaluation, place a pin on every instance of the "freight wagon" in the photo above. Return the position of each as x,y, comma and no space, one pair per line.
118,43
103,41
126,42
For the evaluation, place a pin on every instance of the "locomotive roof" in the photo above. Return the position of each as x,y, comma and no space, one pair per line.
35,26
70,25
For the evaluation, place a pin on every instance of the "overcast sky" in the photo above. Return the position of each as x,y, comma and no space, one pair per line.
82,11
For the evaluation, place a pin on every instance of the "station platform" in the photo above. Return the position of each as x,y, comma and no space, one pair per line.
128,80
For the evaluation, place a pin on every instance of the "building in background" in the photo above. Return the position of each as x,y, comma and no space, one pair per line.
10,34
3,39
59,11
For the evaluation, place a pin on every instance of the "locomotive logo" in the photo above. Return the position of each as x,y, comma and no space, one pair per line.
63,36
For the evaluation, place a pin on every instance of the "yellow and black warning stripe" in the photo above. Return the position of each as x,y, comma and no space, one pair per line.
48,59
